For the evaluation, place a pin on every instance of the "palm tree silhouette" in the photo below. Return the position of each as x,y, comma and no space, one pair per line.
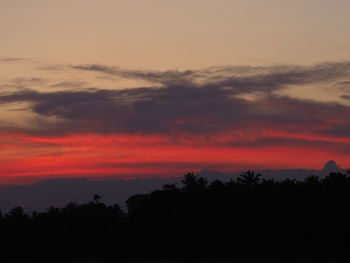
96,198
193,183
249,178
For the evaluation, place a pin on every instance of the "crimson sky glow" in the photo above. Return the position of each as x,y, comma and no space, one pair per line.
131,89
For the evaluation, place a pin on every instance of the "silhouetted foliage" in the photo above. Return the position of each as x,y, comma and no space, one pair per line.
96,198
249,178
243,218
193,183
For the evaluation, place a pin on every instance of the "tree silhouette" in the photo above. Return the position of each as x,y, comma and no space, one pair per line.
96,198
249,178
17,215
193,183
170,187
244,218
312,180
336,179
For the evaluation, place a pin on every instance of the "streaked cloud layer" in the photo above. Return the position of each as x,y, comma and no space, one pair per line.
225,118
134,88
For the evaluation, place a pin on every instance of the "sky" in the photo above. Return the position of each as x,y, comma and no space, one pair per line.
156,88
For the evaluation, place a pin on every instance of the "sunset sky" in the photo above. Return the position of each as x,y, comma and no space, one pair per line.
136,89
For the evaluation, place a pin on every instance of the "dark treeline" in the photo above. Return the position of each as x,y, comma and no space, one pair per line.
249,217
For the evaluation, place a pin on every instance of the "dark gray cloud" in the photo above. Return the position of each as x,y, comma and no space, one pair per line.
23,82
163,77
194,102
53,67
69,84
241,79
19,59
189,110
12,59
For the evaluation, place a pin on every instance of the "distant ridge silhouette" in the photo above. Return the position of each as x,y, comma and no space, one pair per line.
332,167
279,174
58,192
